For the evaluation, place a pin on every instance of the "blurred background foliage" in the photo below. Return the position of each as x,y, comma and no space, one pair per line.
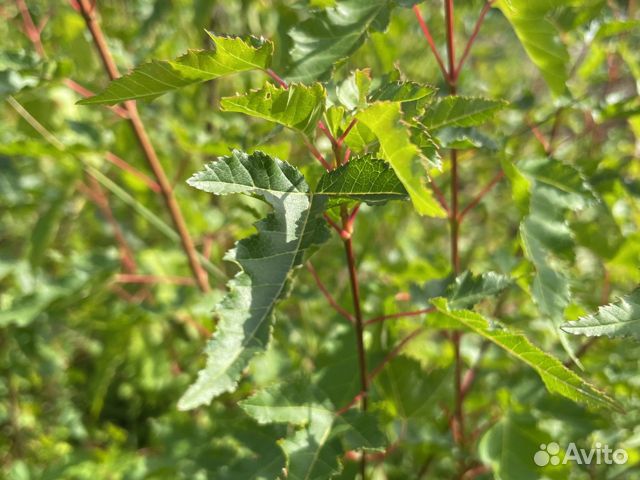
92,365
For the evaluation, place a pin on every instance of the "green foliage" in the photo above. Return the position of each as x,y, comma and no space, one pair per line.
540,38
365,179
332,35
150,80
532,239
460,111
383,120
298,107
266,258
556,377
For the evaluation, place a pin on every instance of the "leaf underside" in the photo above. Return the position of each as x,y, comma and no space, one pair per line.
618,319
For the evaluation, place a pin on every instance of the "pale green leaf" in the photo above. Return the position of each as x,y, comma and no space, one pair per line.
298,107
266,259
460,111
557,378
150,80
540,39
384,120
619,319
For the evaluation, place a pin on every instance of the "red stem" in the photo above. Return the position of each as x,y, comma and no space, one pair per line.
458,419
277,78
440,196
120,163
485,9
154,279
414,313
327,295
432,45
494,181
88,13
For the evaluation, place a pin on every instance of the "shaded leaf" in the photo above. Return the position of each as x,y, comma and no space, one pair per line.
150,80
313,451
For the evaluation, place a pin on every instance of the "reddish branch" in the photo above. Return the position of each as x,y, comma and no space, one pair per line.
153,279
88,13
95,193
478,198
120,163
432,45
327,295
85,92
476,29
414,313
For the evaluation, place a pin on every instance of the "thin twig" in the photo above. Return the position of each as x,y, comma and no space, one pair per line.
494,181
95,192
277,78
314,151
432,45
440,196
153,279
414,313
327,295
88,13
120,163
84,92
476,29
30,29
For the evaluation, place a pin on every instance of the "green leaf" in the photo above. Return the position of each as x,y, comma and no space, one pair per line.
546,237
401,91
298,107
314,449
619,319
557,378
460,111
266,259
510,445
384,120
353,92
412,393
462,138
470,289
366,179
150,80
540,39
331,35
